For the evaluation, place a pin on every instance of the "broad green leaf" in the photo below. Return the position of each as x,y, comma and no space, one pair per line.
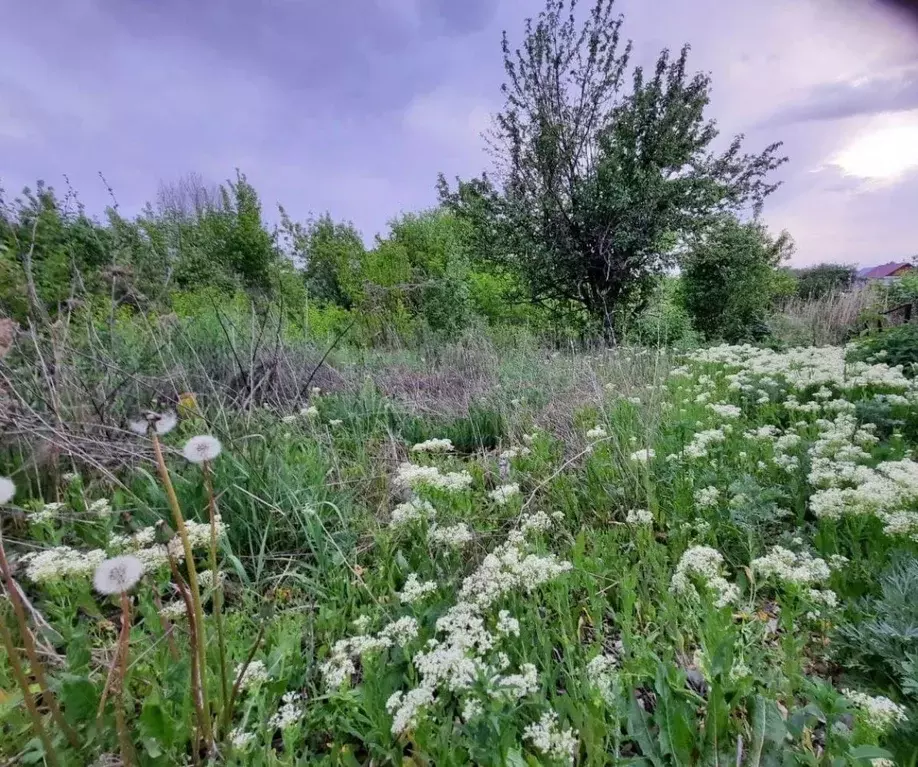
79,699
870,752
639,729
675,720
767,727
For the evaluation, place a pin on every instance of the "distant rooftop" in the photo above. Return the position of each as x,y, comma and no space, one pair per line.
883,270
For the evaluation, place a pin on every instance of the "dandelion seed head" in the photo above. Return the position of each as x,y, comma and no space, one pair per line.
161,423
117,574
201,448
7,490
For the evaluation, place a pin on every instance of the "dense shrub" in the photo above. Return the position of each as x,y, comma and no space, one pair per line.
822,279
895,346
730,279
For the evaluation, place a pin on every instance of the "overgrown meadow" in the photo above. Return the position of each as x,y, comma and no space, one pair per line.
648,558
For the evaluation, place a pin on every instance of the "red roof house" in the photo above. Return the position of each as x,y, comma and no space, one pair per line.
884,272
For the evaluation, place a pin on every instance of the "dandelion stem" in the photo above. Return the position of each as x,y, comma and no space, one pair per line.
192,582
28,643
218,585
196,694
124,738
13,656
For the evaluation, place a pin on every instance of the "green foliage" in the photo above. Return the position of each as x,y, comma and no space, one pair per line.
332,255
904,289
664,322
882,638
822,279
597,186
894,346
730,278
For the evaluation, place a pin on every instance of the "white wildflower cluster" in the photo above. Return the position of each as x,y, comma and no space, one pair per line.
46,513
725,410
100,507
309,412
401,631
507,625
173,611
415,590
879,712
602,673
504,493
787,566
413,476
453,536
597,432
199,532
411,511
206,579
547,736
61,563
540,521
471,708
256,673
639,517
707,497
643,456
705,564
702,441
433,446
766,432
406,706
155,556
457,656
340,666
512,687
514,452
240,739
888,491
801,368
290,713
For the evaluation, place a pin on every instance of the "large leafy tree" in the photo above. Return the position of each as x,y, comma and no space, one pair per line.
596,185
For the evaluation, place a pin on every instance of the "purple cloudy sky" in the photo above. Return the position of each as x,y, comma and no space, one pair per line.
353,106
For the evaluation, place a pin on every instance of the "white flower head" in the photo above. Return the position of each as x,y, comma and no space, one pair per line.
117,574
7,490
201,448
161,423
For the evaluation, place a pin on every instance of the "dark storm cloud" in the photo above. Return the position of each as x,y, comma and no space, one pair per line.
893,92
354,106
459,17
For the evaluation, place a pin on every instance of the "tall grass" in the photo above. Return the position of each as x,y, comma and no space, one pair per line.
828,320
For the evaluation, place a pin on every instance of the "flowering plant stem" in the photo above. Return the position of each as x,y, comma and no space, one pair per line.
124,738
28,643
231,703
218,585
196,693
13,655
192,584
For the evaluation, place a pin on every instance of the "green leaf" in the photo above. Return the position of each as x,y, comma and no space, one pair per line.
870,752
639,729
514,758
767,727
676,721
79,698
154,724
